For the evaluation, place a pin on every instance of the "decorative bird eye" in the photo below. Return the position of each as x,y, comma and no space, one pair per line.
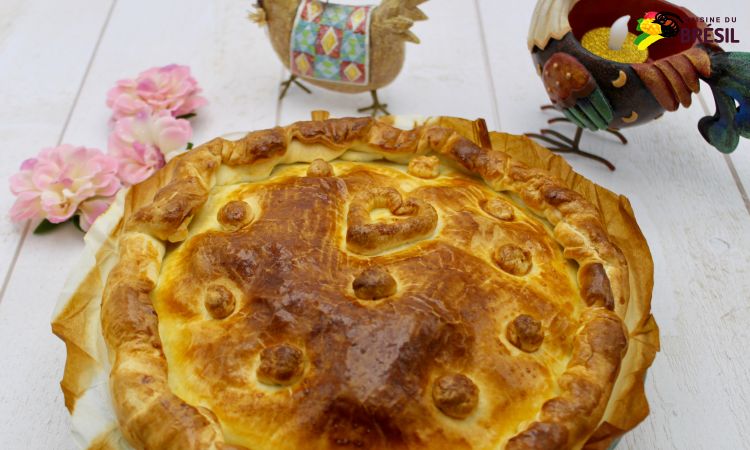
260,4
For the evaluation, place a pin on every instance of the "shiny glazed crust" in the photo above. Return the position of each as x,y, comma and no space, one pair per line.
586,403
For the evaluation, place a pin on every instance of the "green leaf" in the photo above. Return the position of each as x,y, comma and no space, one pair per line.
187,116
46,226
189,145
77,222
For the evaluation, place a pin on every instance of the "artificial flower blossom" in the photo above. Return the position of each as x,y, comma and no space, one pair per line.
170,88
61,179
141,142
92,208
67,180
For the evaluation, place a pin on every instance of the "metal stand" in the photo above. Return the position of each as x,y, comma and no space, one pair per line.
563,144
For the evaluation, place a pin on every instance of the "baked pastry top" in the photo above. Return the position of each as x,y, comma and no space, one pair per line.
342,283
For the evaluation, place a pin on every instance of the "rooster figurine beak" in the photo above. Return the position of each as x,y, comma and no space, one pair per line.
656,68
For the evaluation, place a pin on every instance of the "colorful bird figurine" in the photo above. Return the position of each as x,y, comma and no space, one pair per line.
611,65
344,48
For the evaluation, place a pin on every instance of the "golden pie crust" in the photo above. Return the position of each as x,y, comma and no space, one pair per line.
342,283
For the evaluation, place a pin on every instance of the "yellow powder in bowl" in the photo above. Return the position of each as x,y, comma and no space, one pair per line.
597,42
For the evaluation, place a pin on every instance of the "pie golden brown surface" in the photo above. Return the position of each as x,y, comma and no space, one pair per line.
343,283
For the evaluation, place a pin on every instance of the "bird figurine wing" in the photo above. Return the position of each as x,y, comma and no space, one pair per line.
572,89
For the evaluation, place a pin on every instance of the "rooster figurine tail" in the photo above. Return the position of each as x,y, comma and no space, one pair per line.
397,17
730,83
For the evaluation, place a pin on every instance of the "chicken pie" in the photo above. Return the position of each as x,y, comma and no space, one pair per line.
344,283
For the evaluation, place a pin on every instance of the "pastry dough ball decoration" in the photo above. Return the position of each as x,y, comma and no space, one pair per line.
424,167
280,365
263,336
416,220
235,215
525,332
219,302
513,259
455,395
373,284
319,168
499,209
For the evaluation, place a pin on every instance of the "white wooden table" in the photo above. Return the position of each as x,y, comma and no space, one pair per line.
57,60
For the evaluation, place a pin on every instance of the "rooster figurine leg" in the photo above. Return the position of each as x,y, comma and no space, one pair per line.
286,84
613,131
563,144
376,106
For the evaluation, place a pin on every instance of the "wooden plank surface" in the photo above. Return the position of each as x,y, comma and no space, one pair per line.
42,63
45,51
739,160
684,193
696,224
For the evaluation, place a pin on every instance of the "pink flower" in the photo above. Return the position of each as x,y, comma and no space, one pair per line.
58,180
93,208
169,88
140,142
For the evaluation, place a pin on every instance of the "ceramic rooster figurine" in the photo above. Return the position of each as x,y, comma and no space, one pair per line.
344,48
611,65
